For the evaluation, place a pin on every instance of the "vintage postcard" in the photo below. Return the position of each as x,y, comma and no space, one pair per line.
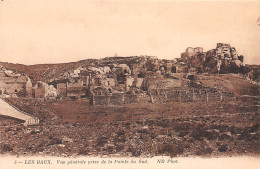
129,84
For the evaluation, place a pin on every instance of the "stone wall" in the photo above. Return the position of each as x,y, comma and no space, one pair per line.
61,89
162,83
115,99
39,92
13,88
100,100
130,98
76,91
192,95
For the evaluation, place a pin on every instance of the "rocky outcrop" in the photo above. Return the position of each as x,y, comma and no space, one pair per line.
223,59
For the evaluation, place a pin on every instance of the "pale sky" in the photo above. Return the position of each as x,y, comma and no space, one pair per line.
58,31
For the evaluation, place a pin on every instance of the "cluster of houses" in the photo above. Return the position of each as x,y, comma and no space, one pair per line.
107,78
110,76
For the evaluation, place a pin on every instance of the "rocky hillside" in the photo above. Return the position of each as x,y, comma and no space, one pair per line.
48,72
45,72
234,83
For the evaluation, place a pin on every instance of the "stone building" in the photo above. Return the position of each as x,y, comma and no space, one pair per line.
14,85
43,90
61,89
191,52
77,88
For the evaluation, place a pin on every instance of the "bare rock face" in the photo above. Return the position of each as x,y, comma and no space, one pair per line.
223,50
223,59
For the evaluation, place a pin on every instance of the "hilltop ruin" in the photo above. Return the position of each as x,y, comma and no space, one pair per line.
120,80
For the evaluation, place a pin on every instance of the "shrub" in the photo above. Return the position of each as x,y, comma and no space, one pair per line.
224,136
197,135
121,133
136,153
243,136
121,139
6,148
110,149
221,128
119,148
101,141
211,135
153,135
8,129
204,150
83,151
145,131
172,149
200,132
164,123
33,132
183,133
223,148
179,126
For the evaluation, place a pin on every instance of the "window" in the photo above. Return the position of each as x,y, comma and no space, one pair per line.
173,69
99,83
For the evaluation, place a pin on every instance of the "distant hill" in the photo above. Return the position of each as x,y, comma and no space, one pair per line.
43,72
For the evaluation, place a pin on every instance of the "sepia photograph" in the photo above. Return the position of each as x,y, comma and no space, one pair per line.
129,84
